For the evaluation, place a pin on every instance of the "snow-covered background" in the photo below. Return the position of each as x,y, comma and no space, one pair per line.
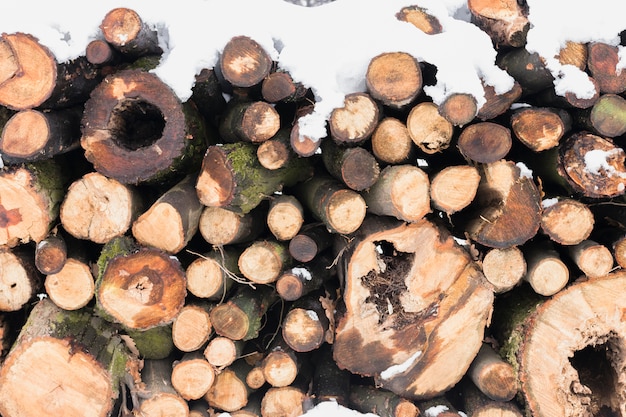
327,47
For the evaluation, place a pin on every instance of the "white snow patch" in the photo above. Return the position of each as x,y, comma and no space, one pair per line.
525,172
312,315
597,162
398,369
435,410
547,202
302,273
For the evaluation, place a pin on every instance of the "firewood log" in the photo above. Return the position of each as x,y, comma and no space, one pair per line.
192,376
492,375
401,191
394,79
155,343
583,368
540,128
309,242
606,117
355,122
305,326
51,253
263,261
602,59
368,399
276,152
290,401
329,383
566,221
31,135
504,268
485,142
459,108
136,130
124,29
243,62
229,391
505,22
393,307
223,226
302,145
159,396
140,288
281,364
354,166
303,279
31,195
239,318
279,86
250,121
101,53
232,177
510,212
391,142
546,272
172,220
528,69
98,208
192,328
593,259
211,275
206,93
72,287
222,351
454,188
430,131
475,403
36,79
497,104
285,217
63,363
19,281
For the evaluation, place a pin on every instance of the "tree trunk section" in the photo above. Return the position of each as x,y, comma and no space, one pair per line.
124,29
285,217
192,376
505,22
355,166
160,398
222,226
409,288
391,142
485,142
394,79
244,63
249,121
72,287
454,188
19,280
492,375
428,129
355,122
192,327
211,275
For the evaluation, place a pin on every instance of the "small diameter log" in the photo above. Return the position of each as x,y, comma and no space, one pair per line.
40,80
208,96
100,53
171,222
124,29
619,250
341,209
602,60
368,399
63,364
528,69
255,378
403,285
510,212
607,116
98,208
305,326
159,396
140,289
391,142
299,280
288,401
192,376
275,152
279,86
428,129
281,364
232,177
221,351
459,108
505,22
249,121
593,259
19,280
263,261
355,122
240,317
355,166
192,327
546,273
229,391
307,244
420,18
566,221
540,128
222,226
303,145
329,383
592,165
211,275
31,195
498,103
285,217
504,268
136,130
31,135
438,406
402,191
485,142
244,62
477,404
454,188
394,79
72,287
576,353
51,254
494,377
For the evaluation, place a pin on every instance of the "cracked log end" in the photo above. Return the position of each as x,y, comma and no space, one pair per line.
414,300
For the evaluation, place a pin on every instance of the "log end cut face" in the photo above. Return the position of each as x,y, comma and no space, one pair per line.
414,300
142,290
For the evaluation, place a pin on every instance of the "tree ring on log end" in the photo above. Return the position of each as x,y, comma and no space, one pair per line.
133,127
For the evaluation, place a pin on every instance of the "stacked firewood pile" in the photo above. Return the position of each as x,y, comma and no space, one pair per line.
160,257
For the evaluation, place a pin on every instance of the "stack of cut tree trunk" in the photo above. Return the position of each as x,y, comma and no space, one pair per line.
168,258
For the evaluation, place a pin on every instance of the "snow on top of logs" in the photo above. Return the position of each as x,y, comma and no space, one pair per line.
328,47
